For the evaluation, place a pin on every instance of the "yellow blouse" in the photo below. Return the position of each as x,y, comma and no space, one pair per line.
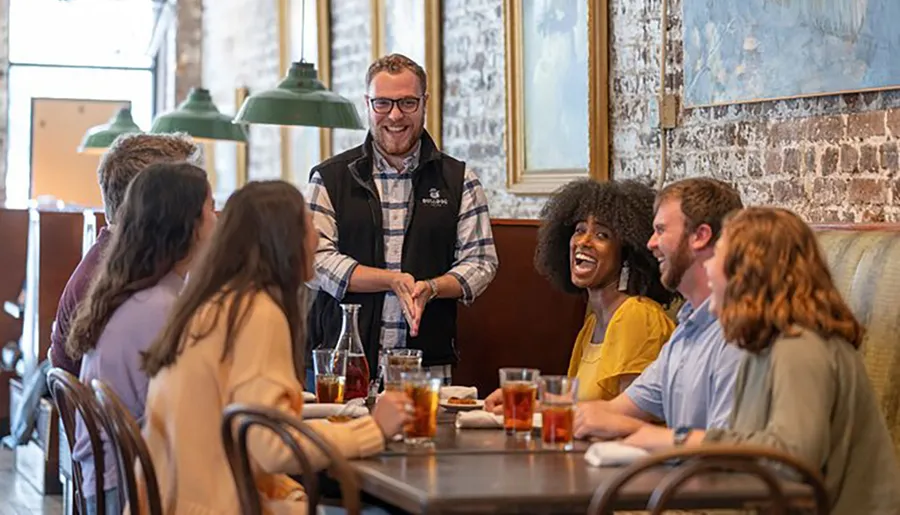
633,339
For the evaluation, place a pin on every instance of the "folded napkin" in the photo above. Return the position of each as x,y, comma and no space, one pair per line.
613,454
481,419
309,397
460,392
355,408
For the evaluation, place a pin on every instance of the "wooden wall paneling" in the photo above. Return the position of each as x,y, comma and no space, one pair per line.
521,320
14,238
54,252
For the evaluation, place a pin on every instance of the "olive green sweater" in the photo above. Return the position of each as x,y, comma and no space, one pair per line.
812,399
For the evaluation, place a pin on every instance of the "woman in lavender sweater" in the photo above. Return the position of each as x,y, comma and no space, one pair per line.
164,222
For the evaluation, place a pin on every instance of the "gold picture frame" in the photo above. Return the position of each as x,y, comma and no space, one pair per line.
520,180
286,33
433,56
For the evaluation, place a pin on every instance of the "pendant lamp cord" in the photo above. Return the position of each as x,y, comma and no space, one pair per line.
302,29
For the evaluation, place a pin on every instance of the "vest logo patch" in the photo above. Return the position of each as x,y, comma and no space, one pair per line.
434,198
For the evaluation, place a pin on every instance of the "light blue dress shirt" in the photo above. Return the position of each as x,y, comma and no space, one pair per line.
691,383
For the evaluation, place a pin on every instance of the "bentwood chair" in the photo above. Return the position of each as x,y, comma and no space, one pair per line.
73,400
764,463
130,448
238,419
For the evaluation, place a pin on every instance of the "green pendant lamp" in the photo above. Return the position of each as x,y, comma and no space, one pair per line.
97,139
300,99
200,118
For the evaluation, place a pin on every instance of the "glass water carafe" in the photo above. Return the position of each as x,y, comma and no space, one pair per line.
349,341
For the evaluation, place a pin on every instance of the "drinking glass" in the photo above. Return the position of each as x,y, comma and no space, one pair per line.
397,361
331,374
519,386
558,396
409,358
424,392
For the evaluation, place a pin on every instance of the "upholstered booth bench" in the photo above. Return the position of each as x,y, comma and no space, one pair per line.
865,263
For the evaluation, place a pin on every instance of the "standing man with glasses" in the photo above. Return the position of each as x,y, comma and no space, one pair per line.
404,229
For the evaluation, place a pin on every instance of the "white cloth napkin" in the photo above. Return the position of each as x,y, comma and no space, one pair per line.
481,419
613,454
355,408
460,392
309,397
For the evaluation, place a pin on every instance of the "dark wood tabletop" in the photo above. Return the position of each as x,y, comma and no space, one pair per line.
483,470
533,483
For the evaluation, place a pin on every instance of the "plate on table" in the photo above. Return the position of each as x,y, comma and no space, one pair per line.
454,404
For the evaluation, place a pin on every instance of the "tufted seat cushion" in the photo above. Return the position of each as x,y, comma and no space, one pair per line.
866,268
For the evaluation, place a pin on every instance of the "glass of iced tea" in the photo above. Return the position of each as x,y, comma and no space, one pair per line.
331,373
519,386
424,392
397,361
558,395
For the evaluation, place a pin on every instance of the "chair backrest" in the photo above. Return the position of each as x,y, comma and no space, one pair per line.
237,419
754,460
125,437
73,399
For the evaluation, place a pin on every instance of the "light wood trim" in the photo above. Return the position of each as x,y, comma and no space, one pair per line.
518,179
323,33
284,62
241,151
434,67
377,28
887,227
598,89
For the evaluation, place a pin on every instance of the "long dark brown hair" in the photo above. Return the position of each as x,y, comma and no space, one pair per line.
778,279
258,245
155,229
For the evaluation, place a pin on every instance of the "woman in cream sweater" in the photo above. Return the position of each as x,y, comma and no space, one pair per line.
234,337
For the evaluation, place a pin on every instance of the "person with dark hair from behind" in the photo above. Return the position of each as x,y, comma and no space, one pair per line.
802,387
236,336
163,223
128,155
593,242
690,384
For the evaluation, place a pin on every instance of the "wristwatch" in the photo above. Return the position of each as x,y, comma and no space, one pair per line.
681,435
434,289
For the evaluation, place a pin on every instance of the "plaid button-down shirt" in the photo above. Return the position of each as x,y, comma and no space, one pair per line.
475,260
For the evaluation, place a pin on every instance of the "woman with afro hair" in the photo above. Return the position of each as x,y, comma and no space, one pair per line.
593,242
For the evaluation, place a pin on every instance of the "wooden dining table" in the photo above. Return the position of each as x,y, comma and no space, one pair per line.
485,471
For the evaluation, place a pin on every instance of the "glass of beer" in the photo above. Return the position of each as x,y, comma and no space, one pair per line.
519,386
424,391
397,361
331,373
558,396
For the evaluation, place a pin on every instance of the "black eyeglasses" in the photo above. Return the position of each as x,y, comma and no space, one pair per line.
407,105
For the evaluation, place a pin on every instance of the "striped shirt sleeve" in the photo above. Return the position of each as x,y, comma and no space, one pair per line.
475,263
333,269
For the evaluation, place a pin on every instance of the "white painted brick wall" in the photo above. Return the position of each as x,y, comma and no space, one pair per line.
240,48
4,106
351,55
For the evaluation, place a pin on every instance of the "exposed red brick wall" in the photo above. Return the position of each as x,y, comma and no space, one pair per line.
831,158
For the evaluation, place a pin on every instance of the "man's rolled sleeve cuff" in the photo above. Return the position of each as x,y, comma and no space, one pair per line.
643,403
335,278
468,295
